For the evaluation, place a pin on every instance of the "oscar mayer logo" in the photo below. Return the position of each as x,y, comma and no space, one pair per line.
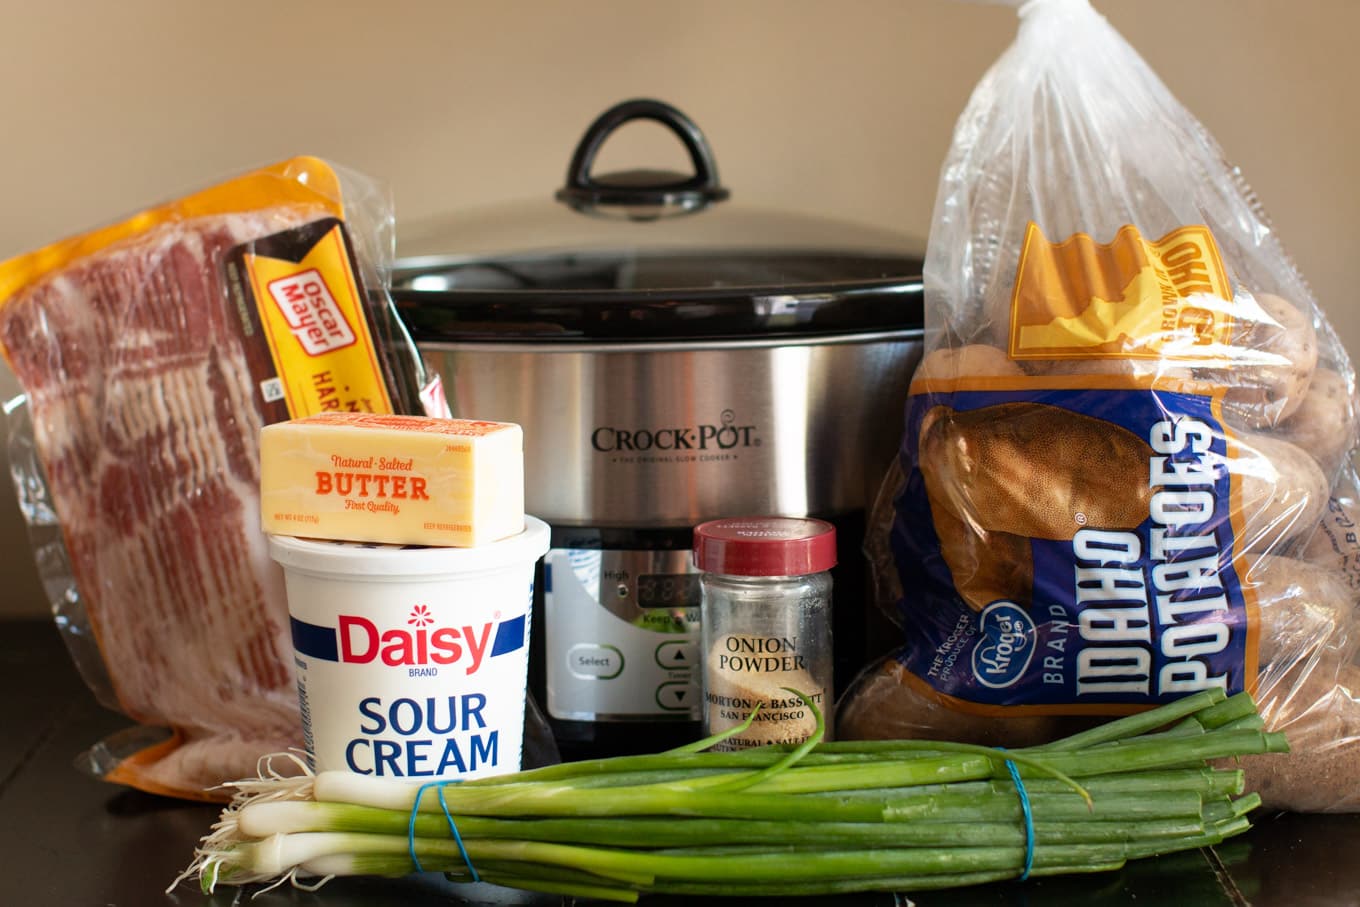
1128,298
420,646
312,313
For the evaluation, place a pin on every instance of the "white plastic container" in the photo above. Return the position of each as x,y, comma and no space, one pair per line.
411,661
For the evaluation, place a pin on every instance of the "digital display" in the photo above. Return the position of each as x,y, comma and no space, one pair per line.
668,590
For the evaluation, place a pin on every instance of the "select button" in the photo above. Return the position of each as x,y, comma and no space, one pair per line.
594,661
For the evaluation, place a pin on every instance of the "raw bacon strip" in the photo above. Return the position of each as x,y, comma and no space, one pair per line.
146,420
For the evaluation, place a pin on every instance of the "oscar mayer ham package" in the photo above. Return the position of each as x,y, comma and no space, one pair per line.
151,353
1127,431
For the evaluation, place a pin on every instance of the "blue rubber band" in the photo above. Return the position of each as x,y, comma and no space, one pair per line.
453,827
1029,817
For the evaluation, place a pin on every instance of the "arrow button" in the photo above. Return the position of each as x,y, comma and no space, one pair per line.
678,697
677,655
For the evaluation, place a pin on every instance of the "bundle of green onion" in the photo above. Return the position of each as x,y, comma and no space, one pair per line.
819,818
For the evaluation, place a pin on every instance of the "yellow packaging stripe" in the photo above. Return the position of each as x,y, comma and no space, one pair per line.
404,480
303,181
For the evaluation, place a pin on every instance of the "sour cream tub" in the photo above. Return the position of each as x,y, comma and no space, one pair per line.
412,661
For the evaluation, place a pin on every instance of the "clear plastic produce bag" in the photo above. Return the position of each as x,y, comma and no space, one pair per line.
1125,468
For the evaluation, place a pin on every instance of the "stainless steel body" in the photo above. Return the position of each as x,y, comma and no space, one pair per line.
669,434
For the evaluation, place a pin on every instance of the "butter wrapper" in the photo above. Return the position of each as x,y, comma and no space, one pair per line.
401,480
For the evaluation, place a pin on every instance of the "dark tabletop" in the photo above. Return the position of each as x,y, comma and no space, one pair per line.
67,839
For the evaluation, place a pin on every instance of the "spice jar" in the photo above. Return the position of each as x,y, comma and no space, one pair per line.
766,626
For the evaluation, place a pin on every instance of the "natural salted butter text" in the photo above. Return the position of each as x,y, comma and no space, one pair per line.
406,480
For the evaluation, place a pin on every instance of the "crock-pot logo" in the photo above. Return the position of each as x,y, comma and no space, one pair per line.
725,434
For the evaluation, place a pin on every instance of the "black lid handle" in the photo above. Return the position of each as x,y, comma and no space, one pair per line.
642,194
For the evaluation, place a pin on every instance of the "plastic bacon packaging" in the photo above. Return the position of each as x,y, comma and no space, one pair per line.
1126,454
151,352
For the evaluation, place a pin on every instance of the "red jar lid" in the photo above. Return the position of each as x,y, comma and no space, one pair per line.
765,546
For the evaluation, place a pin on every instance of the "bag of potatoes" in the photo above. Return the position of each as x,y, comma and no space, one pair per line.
1123,437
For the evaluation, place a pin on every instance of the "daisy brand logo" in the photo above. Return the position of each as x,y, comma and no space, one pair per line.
422,642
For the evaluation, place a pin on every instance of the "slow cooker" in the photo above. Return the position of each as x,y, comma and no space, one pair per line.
673,358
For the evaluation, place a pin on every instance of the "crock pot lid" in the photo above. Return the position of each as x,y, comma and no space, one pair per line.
654,254
893,307
643,229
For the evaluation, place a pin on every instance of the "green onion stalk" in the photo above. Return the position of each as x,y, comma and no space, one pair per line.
815,818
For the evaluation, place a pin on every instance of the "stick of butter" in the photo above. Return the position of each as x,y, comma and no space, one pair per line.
402,480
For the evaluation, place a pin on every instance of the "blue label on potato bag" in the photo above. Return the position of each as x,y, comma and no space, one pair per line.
1068,549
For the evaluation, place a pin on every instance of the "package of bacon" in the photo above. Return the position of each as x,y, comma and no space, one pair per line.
150,352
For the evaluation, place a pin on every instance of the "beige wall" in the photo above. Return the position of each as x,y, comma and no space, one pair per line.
841,108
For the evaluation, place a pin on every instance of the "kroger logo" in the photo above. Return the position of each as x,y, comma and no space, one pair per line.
358,640
1006,645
